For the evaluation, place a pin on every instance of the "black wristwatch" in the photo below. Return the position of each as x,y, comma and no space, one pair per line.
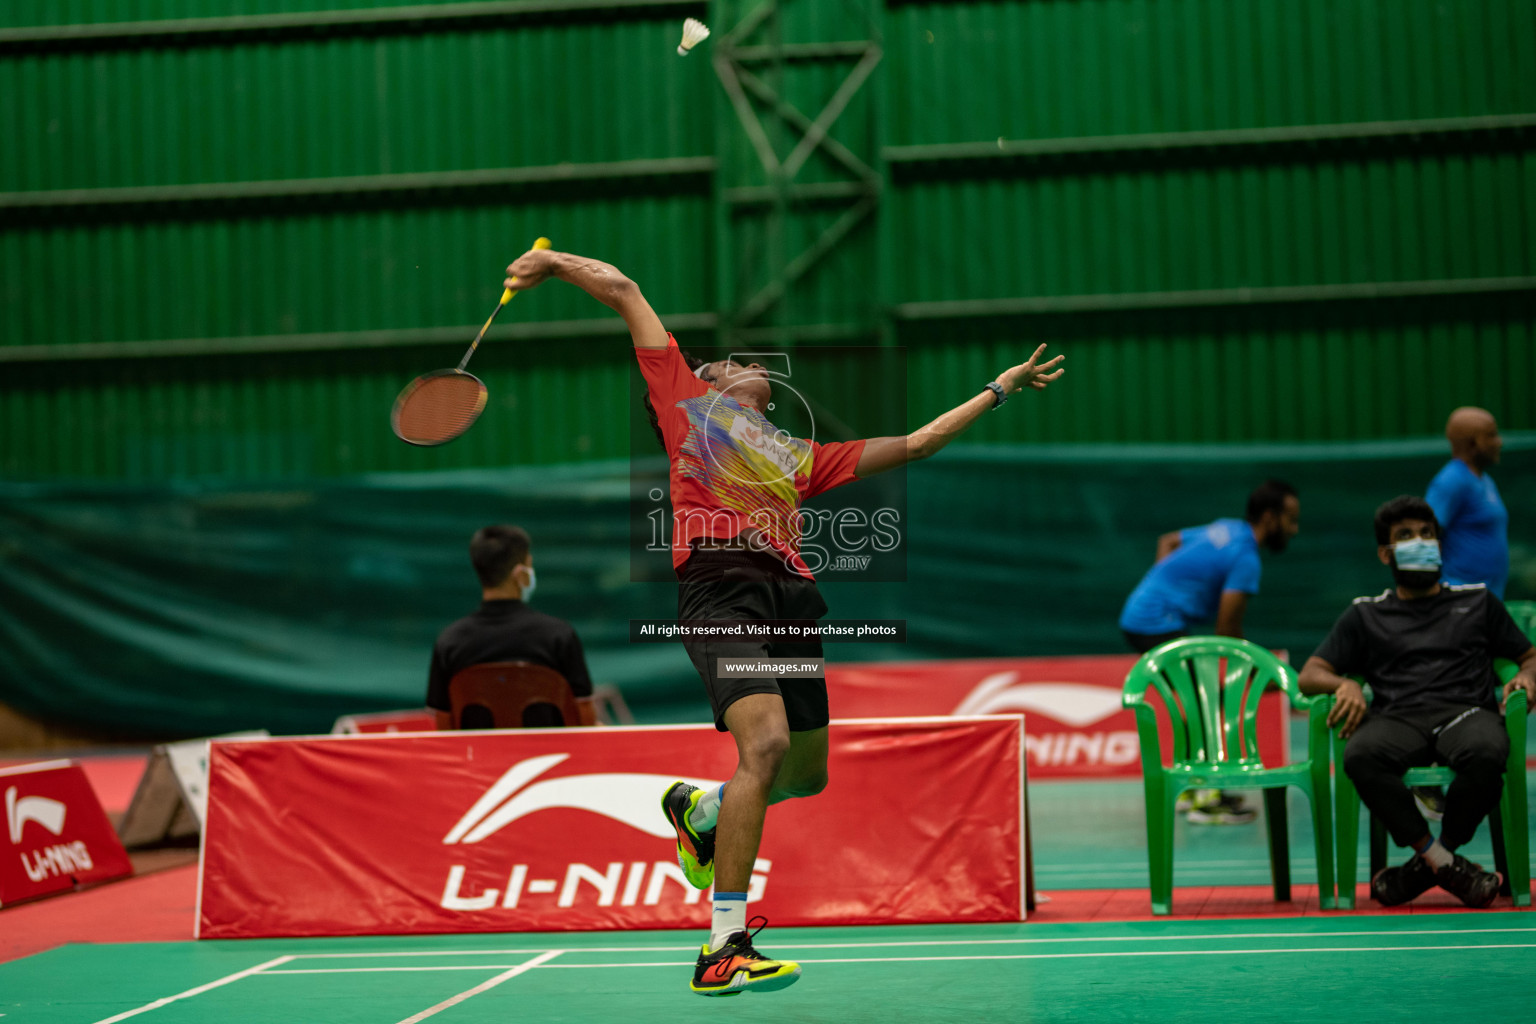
997,389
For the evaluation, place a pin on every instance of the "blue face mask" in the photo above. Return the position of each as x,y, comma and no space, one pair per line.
1417,556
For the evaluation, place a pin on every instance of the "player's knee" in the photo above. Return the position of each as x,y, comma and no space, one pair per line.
808,784
764,753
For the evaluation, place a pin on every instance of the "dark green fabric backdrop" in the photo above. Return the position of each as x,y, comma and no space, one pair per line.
187,610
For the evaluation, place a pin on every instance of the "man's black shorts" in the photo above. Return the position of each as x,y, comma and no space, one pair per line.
745,586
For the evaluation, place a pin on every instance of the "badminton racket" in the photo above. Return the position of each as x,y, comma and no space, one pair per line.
437,407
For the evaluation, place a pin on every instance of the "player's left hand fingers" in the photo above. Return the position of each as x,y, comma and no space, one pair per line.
1029,364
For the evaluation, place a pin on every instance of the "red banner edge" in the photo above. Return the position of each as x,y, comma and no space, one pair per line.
1024,865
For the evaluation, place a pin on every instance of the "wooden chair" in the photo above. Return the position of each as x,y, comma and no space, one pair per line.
515,695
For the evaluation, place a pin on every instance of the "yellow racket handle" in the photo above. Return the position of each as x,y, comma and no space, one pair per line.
506,297
538,243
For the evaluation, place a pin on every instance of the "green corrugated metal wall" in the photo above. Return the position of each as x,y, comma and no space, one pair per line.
1242,219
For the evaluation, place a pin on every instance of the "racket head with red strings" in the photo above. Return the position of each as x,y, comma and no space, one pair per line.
437,407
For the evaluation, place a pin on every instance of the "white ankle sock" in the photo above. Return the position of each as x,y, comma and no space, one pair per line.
706,812
1437,856
728,918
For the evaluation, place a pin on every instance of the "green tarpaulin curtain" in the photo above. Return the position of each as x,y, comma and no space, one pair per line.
182,609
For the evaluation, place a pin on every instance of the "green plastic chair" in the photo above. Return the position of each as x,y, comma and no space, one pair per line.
1524,614
1214,711
1508,823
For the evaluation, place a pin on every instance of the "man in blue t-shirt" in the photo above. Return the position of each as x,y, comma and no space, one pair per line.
1474,526
1206,574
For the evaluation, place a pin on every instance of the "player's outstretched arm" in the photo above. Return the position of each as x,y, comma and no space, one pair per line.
883,453
604,282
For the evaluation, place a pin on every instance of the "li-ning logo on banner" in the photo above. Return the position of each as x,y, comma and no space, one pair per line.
59,859
1075,704
47,813
627,797
1078,705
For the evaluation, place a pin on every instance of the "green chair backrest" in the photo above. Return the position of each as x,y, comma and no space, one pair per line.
1210,686
1524,614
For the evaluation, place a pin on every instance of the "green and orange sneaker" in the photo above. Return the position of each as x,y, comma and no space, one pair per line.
695,850
736,967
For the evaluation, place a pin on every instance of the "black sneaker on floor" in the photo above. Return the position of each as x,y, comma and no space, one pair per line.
1468,882
1396,885
695,850
736,967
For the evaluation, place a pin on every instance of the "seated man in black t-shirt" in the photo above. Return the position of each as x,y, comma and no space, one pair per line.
504,628
1427,650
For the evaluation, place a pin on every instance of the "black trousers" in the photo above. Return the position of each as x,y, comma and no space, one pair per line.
1141,643
1470,740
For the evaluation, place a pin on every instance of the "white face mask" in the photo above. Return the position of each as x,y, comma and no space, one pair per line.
531,585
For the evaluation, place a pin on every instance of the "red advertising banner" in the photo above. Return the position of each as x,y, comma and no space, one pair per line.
562,829
1077,728
59,836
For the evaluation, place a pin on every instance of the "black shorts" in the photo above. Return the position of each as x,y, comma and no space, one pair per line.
1141,643
741,585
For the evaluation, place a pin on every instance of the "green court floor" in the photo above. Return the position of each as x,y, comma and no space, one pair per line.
1092,835
1345,968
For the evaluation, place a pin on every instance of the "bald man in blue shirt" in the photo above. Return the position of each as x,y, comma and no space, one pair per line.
1474,525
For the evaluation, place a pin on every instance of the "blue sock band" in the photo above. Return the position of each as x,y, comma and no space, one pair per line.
1427,844
731,896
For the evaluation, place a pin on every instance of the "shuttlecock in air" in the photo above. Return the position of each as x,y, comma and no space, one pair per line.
694,33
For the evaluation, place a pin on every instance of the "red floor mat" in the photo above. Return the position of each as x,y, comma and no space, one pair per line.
114,777
152,908
1220,901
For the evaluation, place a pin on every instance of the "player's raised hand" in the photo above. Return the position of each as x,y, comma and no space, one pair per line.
1033,374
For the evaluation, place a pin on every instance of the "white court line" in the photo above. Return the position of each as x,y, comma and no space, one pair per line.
1085,956
390,970
189,993
938,942
484,986
537,962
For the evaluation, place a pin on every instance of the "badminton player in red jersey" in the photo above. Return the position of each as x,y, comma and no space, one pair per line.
737,483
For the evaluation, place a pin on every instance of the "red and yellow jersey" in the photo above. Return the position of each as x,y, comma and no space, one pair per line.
731,467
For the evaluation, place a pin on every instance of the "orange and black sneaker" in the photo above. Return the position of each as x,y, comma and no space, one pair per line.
736,967
695,850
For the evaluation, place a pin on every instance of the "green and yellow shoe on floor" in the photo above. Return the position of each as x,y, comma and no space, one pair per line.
695,851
